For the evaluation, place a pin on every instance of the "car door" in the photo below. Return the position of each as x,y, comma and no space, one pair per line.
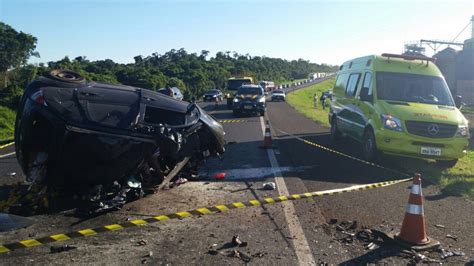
109,106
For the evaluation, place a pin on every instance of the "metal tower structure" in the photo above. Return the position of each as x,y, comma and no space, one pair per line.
419,47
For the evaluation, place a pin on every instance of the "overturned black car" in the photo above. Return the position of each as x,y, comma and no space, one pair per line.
108,142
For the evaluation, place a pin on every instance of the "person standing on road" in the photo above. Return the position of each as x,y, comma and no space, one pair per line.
216,102
323,100
315,101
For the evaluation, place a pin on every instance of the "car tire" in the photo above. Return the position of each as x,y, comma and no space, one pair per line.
369,146
335,133
447,163
66,76
262,113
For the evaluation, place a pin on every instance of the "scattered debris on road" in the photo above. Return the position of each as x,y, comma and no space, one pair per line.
440,226
451,253
61,249
236,242
150,254
453,237
219,176
142,242
180,181
241,255
269,186
12,174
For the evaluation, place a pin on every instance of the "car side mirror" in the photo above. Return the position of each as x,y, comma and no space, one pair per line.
458,101
191,108
364,95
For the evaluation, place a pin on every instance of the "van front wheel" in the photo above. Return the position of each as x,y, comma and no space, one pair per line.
369,146
335,134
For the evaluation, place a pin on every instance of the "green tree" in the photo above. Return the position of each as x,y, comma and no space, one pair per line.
15,49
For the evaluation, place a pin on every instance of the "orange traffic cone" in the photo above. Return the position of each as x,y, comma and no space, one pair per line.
413,232
267,140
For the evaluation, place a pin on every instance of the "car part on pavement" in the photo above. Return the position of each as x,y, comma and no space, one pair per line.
269,186
107,143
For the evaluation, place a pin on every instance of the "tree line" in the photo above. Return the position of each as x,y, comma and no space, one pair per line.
193,73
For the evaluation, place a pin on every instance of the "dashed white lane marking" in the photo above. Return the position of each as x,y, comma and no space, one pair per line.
302,249
6,155
256,172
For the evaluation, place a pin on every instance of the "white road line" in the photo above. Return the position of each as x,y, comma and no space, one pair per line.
302,249
6,155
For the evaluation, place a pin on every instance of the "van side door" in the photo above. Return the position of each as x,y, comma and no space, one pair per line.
352,122
339,102
365,107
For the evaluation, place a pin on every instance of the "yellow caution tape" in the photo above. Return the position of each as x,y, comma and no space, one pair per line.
6,145
28,243
343,154
231,121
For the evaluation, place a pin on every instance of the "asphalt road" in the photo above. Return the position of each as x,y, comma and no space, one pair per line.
292,233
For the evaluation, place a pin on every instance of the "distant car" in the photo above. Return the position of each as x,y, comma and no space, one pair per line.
172,92
278,95
212,95
249,99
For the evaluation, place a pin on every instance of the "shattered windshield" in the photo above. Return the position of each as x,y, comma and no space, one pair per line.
413,88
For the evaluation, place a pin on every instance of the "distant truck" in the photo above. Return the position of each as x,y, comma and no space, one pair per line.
317,75
233,84
268,86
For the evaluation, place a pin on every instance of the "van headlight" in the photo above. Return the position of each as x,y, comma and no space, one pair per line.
236,100
391,122
463,131
261,99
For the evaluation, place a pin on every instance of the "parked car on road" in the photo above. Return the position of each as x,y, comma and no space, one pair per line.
249,99
172,92
213,95
399,105
278,95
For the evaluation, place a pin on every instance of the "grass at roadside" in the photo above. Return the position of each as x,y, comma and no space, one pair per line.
456,181
302,101
7,124
469,110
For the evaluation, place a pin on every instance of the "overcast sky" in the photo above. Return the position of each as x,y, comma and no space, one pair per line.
319,31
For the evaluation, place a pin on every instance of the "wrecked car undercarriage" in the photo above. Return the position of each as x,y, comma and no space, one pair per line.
106,144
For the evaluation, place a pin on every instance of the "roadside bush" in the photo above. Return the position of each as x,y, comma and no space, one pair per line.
7,123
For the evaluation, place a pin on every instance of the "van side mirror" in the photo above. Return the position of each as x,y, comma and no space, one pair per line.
364,95
458,101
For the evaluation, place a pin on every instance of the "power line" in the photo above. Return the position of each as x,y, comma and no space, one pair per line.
461,31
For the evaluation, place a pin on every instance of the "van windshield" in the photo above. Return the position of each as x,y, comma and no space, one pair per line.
413,88
234,84
250,90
